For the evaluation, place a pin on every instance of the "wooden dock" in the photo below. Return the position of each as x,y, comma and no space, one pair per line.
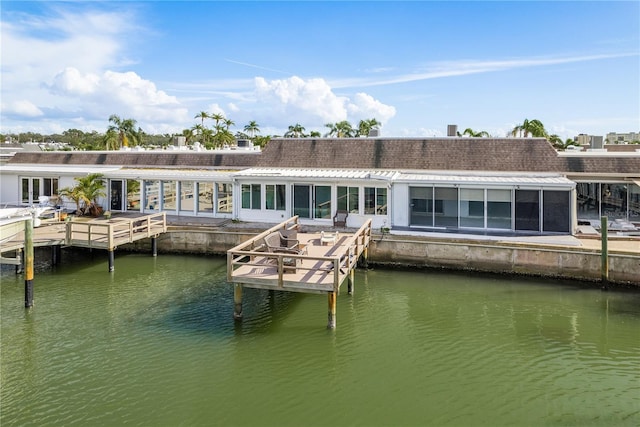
319,268
93,233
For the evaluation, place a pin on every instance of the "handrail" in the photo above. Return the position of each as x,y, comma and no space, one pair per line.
346,258
93,232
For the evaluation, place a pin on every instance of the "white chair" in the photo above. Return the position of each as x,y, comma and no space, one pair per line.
328,237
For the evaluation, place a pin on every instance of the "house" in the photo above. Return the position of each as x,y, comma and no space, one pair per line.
486,185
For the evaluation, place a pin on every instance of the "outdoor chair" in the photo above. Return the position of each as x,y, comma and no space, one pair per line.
340,218
327,237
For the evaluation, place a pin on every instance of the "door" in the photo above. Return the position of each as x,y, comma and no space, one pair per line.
115,192
29,190
302,200
421,206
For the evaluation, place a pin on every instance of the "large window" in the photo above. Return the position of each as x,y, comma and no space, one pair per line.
186,196
421,206
528,210
375,201
169,196
614,200
348,199
251,196
471,208
275,197
634,202
152,195
133,195
205,197
555,211
322,202
446,207
225,198
499,209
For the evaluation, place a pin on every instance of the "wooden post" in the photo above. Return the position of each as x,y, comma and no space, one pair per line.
154,246
365,256
28,255
111,260
604,255
332,298
237,301
351,281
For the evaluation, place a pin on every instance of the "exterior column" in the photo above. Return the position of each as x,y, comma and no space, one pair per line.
28,255
55,254
332,299
237,301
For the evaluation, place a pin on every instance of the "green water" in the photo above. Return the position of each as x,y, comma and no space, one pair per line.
155,344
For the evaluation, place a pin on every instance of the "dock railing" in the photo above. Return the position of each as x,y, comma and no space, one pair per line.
107,234
253,253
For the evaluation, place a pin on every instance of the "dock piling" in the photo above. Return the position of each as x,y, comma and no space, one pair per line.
111,260
351,281
28,251
332,299
154,246
237,301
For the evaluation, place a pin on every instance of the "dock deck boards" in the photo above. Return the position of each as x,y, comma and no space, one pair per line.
95,233
321,269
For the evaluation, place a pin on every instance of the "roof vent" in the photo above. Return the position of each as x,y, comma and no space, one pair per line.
373,133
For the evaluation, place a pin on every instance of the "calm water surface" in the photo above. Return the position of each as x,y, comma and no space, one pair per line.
154,343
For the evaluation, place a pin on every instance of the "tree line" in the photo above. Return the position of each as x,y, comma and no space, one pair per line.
213,130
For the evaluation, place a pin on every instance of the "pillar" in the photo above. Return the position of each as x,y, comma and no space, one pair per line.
154,246
332,299
604,255
351,281
237,301
111,260
365,258
28,263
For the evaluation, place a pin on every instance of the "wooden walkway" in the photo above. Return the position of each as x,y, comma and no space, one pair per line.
320,269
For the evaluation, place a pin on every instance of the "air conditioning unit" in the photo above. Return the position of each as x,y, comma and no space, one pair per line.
373,133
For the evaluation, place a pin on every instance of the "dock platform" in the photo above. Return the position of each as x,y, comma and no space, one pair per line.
319,264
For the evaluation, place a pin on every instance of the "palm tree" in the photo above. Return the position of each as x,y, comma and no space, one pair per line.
110,139
295,131
315,134
341,129
470,132
365,126
202,115
91,188
126,129
228,123
218,118
534,128
252,128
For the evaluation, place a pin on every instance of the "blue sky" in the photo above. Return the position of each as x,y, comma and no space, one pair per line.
415,66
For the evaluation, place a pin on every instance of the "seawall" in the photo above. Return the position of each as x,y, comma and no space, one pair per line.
506,257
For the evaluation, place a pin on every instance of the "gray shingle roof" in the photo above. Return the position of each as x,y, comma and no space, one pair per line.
433,154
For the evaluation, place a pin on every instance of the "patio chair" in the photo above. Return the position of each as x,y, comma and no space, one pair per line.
340,218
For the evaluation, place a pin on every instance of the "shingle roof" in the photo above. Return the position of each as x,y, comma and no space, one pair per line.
142,158
431,154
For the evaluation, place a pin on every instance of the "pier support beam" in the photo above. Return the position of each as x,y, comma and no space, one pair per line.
111,259
332,299
365,258
28,255
237,301
154,246
56,251
351,281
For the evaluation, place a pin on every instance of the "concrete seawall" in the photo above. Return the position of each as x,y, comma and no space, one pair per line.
508,257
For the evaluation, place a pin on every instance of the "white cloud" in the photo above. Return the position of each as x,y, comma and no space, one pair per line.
22,108
125,94
313,102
